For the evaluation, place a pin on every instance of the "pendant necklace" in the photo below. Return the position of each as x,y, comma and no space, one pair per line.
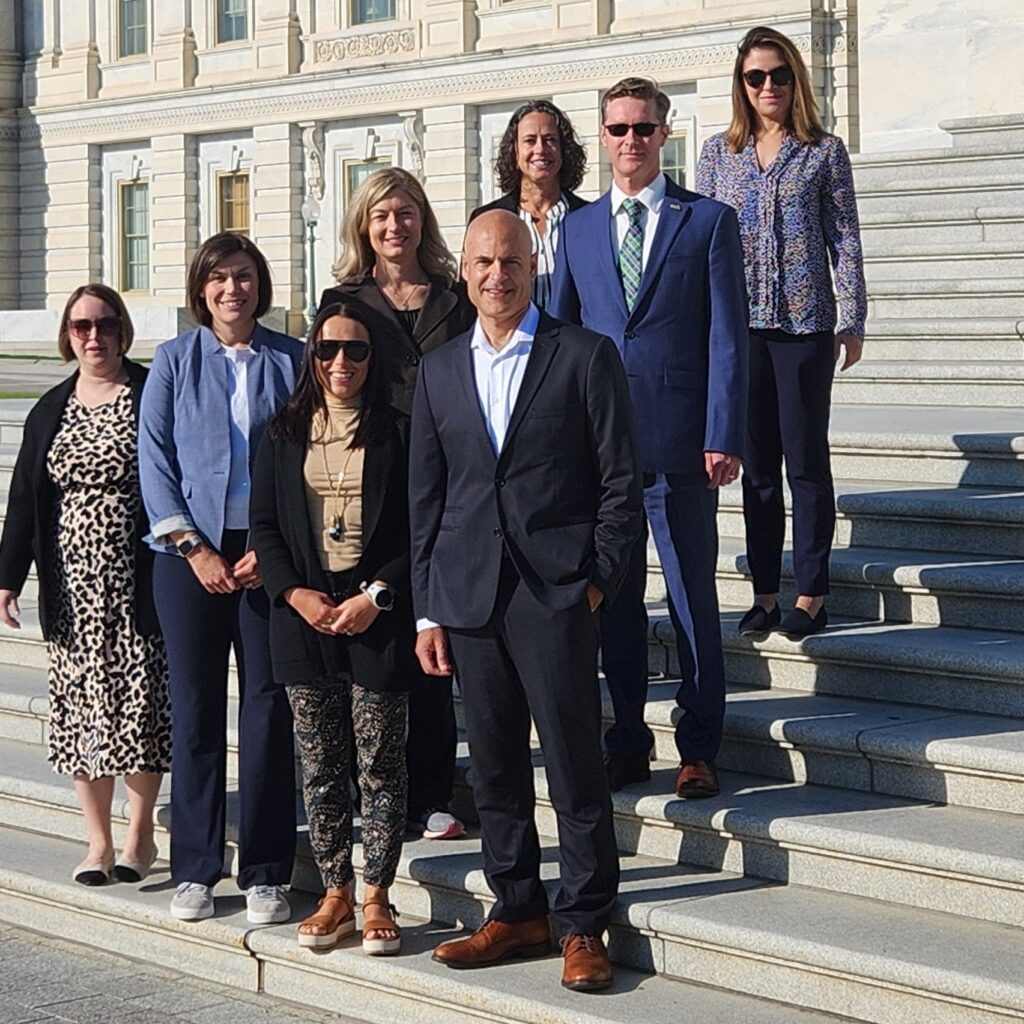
337,529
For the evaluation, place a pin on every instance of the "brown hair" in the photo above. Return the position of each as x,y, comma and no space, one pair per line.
113,300
641,89
214,251
574,156
804,118
357,255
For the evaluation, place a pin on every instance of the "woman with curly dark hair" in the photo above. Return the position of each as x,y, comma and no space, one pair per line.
540,163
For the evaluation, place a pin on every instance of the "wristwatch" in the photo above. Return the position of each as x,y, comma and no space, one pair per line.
380,594
188,545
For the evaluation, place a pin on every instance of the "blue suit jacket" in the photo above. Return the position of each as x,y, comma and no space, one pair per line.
184,423
685,344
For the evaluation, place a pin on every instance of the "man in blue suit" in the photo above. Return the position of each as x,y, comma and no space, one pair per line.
660,271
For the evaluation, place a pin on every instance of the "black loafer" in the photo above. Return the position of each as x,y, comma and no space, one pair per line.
797,624
759,622
627,769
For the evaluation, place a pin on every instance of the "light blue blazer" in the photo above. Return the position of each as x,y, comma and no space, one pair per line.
184,427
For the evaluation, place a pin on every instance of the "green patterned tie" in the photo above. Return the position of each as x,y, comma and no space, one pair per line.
631,252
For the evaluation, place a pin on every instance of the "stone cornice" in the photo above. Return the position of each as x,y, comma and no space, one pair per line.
483,78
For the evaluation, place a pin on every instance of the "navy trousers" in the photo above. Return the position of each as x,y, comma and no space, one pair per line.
789,404
199,629
682,515
530,660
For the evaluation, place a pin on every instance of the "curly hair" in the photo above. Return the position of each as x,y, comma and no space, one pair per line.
574,155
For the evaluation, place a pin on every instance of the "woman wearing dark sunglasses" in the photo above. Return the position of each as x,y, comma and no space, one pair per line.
331,527
792,186
75,510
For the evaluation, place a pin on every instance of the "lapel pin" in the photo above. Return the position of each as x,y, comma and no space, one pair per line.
674,206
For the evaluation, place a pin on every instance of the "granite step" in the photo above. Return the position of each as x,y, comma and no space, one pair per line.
981,259
891,585
883,228
950,299
225,949
972,166
984,521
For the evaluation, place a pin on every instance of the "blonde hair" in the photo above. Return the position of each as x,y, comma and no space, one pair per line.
804,118
357,255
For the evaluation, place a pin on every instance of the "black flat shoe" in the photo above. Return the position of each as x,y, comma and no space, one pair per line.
797,624
758,622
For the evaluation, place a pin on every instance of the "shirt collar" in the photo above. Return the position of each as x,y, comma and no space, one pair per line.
524,333
652,196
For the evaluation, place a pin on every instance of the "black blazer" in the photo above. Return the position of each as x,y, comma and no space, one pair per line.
381,658
32,505
445,315
565,494
510,201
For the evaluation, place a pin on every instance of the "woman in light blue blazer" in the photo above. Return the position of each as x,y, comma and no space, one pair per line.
209,396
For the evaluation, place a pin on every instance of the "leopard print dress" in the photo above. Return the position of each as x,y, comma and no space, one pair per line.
109,698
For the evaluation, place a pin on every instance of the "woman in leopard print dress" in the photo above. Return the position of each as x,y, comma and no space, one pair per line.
75,510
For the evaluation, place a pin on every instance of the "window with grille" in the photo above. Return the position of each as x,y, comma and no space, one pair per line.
232,20
134,30
357,171
673,158
233,202
366,11
135,236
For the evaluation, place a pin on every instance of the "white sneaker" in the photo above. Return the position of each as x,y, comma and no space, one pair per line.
267,904
441,825
192,902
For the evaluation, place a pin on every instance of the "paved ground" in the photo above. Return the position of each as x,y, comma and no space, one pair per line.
48,981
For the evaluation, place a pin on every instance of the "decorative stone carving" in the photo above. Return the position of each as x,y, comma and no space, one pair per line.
369,44
412,128
313,145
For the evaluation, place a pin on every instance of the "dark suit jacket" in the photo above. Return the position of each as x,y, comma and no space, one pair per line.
564,495
382,657
445,315
510,201
685,344
32,505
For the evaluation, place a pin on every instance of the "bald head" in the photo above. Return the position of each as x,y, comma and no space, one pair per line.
498,266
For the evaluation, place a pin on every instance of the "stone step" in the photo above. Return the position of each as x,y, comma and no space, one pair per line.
653,924
888,585
994,325
994,165
952,299
871,513
976,350
973,393
883,228
227,950
994,260
1005,130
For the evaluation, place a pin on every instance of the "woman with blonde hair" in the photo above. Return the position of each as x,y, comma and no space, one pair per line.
792,186
397,271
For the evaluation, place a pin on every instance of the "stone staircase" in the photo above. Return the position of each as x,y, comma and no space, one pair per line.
865,861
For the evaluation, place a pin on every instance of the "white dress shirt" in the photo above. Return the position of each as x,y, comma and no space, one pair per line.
651,197
499,376
236,511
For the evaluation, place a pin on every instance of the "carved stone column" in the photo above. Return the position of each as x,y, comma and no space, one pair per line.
174,214
276,37
174,46
451,142
448,27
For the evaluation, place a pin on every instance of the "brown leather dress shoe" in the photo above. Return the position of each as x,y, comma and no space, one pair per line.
625,769
585,963
697,779
496,941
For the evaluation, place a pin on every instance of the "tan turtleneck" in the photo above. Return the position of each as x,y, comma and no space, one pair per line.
323,498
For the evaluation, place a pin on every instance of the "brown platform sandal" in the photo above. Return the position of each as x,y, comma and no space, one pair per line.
336,914
379,916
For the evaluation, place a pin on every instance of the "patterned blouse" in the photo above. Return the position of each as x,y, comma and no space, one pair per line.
545,246
797,218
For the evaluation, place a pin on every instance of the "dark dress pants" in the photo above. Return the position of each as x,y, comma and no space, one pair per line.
683,517
530,659
623,624
199,629
790,402
431,744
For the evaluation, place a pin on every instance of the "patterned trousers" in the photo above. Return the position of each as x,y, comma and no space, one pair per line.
326,719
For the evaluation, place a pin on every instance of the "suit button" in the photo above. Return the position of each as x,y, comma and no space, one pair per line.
499,483
629,335
412,360
497,531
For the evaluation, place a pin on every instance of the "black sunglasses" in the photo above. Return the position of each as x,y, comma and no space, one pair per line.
645,129
327,351
106,327
782,75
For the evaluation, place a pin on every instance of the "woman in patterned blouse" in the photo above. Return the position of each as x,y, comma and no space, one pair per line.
792,186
